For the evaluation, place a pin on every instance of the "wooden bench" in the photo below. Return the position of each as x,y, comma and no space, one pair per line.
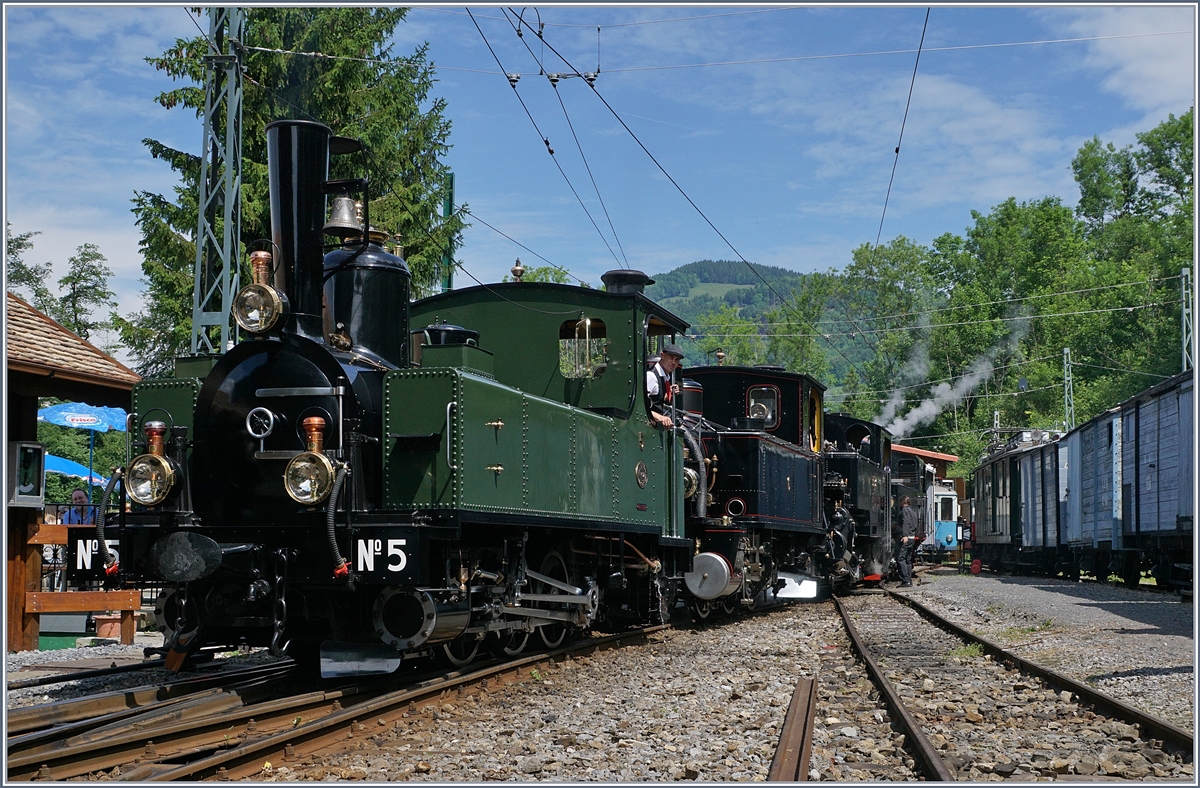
38,602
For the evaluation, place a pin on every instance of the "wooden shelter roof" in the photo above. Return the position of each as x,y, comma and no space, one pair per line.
37,345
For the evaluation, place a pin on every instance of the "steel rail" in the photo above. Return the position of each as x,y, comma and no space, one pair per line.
328,727
32,718
184,729
935,768
29,742
790,763
1170,734
59,678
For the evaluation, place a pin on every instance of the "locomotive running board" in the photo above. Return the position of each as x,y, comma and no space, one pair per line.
796,587
357,659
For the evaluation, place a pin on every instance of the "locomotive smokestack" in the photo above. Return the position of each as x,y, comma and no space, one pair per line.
625,281
297,165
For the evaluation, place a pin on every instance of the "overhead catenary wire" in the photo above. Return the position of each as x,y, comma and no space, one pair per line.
953,378
1118,369
841,397
245,74
891,179
523,246
553,79
840,55
463,268
897,329
964,306
512,83
904,121
633,24
678,188
603,207
798,58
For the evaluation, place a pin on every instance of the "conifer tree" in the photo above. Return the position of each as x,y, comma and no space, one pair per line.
359,88
85,292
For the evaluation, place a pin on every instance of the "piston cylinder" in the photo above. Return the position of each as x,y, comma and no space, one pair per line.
406,618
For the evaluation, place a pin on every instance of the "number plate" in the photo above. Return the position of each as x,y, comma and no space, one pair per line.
83,560
386,555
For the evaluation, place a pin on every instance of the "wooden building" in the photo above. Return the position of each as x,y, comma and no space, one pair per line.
43,359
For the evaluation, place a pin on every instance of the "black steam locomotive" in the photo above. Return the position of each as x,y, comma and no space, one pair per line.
363,479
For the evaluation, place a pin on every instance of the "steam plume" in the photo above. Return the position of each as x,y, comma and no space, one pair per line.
915,370
945,395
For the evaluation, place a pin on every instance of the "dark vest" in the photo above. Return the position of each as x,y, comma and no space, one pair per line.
661,401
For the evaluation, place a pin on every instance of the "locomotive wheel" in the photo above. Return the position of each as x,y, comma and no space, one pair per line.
459,652
509,644
729,605
701,609
553,565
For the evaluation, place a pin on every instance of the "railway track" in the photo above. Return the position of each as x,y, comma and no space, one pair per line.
965,709
79,675
231,731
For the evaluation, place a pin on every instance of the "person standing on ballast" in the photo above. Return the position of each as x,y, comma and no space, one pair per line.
909,528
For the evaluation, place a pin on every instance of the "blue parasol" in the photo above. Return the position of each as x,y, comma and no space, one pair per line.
81,416
84,417
71,468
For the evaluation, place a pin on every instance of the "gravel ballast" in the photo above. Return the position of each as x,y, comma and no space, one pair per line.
706,703
1137,646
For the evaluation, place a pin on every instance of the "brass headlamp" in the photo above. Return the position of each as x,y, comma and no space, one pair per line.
258,307
151,476
308,477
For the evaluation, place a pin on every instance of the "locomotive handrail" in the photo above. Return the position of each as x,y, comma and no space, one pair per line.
300,391
449,405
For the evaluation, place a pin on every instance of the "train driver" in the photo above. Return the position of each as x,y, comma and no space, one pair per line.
659,388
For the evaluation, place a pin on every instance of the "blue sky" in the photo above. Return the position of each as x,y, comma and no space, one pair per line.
790,159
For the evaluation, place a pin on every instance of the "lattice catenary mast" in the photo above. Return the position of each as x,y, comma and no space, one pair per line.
1185,316
1068,392
218,232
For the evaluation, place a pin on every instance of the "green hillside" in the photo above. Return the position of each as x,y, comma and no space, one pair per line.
932,340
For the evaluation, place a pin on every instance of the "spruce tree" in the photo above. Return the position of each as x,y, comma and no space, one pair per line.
84,292
359,88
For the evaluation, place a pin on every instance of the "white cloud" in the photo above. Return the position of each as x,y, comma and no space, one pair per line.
1151,74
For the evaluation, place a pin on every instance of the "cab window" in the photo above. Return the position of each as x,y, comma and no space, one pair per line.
762,402
582,348
656,335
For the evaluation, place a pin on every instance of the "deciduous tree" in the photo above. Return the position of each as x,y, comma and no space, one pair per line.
28,279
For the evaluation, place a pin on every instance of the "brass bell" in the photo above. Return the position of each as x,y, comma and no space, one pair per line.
343,221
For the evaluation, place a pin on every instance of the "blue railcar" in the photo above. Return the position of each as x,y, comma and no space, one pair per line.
1113,496
943,537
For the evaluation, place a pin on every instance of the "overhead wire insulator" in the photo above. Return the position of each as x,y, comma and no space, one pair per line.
513,79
